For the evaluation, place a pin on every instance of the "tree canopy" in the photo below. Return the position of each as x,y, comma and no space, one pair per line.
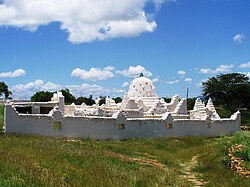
232,90
68,97
102,100
4,90
117,99
42,96
88,101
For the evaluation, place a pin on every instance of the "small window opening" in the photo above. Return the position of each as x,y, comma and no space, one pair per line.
57,125
121,126
169,125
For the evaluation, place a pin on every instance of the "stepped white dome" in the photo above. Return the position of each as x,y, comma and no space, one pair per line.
141,87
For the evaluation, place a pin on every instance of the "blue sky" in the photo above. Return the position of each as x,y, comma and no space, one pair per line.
97,47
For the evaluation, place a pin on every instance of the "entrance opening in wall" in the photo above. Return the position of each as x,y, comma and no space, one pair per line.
24,110
45,110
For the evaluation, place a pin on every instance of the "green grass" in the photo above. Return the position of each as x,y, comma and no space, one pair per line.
242,138
38,161
41,161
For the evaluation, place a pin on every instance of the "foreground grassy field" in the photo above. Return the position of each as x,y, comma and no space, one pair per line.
40,161
36,161
1,116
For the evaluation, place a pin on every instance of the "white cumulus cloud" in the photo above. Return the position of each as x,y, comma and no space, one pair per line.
224,68
125,84
189,80
95,90
172,82
238,38
94,74
16,73
37,85
25,91
219,69
155,80
109,68
28,89
207,71
181,72
245,65
83,20
135,71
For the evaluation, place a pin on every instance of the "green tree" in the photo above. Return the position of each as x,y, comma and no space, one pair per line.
68,97
190,103
42,96
4,90
167,99
117,99
88,101
231,90
102,100
213,88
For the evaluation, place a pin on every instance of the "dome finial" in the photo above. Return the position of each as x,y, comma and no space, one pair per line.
141,75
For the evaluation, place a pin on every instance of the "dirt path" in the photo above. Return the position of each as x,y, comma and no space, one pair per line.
143,160
191,176
236,162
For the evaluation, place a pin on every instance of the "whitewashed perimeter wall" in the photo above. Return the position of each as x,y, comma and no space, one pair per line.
109,128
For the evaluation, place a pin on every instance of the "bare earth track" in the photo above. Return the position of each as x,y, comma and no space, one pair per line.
191,176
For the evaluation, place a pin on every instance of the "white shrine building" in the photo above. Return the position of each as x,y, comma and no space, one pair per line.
141,114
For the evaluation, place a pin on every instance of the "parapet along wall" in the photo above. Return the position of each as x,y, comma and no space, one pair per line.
55,124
